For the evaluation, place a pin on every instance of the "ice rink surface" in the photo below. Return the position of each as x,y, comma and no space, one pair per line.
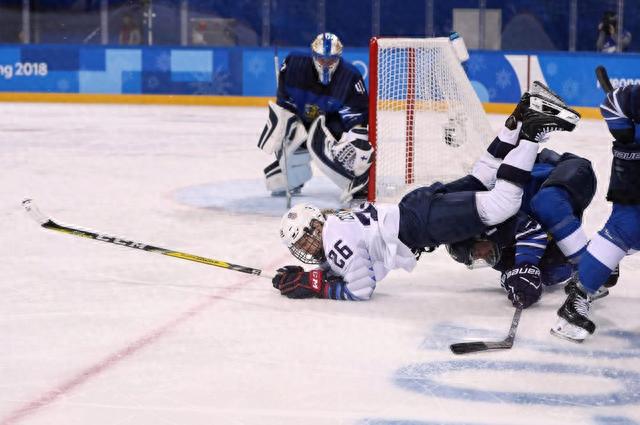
92,333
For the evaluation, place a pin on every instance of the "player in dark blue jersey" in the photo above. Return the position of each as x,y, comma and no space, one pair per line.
621,234
321,113
541,245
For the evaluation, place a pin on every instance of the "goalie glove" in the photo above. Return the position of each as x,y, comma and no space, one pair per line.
522,284
353,151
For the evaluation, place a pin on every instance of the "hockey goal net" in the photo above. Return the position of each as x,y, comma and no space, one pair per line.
426,121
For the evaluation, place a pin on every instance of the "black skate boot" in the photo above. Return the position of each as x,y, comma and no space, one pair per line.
545,115
573,317
537,89
613,278
516,116
571,286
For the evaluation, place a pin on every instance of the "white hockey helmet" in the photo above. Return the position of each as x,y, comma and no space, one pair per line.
326,50
301,232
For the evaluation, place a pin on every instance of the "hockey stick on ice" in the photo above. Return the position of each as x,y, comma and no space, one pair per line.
475,346
47,223
603,79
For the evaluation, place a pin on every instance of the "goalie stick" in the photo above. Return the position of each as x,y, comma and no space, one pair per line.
475,346
276,64
603,79
47,223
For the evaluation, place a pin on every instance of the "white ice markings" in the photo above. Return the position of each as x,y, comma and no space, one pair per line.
425,377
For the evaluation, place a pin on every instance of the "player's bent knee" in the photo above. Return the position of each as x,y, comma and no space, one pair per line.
556,196
576,176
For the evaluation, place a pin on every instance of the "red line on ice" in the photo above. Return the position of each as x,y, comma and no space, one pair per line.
85,375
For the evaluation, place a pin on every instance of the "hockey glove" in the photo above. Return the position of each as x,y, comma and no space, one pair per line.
522,284
294,282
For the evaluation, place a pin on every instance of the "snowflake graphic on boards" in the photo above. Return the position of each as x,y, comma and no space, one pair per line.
475,64
503,78
570,89
256,67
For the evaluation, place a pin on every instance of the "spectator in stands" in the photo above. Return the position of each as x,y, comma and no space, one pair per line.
608,34
129,31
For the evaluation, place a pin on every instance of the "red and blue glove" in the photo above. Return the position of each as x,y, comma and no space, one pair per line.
294,282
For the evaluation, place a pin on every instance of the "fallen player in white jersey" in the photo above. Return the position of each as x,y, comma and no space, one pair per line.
357,248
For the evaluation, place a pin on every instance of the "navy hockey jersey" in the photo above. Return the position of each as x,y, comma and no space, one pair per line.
344,101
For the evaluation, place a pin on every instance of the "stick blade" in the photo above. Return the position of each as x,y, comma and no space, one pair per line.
476,346
34,212
468,347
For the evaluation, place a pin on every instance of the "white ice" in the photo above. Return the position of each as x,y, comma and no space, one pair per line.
92,333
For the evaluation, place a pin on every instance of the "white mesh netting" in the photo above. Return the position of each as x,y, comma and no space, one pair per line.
430,125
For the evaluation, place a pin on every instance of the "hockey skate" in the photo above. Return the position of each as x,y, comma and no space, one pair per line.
573,317
516,116
539,89
600,293
545,113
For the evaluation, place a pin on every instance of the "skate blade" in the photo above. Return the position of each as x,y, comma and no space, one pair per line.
600,293
565,330
546,106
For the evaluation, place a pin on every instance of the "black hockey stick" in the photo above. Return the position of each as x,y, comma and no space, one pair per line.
603,79
47,223
475,346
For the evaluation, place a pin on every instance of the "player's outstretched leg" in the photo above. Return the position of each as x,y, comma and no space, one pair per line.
573,317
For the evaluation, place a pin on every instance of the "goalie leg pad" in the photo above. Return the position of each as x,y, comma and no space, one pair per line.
298,172
281,125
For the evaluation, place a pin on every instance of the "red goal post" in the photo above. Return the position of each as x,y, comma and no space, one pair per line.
426,122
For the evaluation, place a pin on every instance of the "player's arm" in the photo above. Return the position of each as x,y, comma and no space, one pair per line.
531,242
522,282
357,284
355,111
283,98
620,110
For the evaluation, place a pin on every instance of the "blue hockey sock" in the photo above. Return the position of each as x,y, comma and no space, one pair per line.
592,273
599,260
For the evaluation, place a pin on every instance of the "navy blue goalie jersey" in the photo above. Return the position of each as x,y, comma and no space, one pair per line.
344,101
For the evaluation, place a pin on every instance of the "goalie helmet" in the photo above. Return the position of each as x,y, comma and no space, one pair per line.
475,253
301,232
326,50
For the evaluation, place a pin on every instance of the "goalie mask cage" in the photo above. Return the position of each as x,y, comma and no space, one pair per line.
425,120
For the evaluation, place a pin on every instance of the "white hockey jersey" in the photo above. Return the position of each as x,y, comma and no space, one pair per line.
362,246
